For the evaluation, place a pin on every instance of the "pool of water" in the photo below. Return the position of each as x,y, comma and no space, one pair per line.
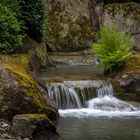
94,127
70,71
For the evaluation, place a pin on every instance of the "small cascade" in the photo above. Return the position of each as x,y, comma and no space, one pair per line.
64,95
106,101
94,94
73,94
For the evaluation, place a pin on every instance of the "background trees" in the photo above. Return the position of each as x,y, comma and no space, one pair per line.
20,18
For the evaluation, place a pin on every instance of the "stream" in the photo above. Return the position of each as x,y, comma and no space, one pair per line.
99,128
88,108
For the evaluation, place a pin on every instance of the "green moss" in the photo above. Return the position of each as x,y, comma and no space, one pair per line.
88,92
132,67
67,78
131,10
130,71
34,115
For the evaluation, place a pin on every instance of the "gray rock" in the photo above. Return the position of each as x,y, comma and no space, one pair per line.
4,126
26,139
6,136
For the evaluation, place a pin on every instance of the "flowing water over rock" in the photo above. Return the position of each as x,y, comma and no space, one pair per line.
82,94
89,111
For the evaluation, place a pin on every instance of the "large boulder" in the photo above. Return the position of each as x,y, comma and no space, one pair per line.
126,16
70,26
34,126
19,90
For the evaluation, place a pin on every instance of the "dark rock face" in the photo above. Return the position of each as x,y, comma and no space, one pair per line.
119,1
34,126
93,16
132,85
127,88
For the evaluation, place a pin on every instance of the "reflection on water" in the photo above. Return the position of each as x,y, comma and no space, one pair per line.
71,70
99,128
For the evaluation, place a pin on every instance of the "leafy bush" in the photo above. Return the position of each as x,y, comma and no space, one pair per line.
12,5
32,13
10,31
112,48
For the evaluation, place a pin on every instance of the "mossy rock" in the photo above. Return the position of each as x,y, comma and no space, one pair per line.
128,10
19,90
32,126
127,81
69,25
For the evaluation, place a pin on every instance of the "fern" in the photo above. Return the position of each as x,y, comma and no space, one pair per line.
112,47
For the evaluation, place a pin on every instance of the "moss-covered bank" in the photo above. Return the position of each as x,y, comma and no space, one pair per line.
127,81
20,92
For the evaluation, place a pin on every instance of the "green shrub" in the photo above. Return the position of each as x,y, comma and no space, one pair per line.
32,13
10,31
12,5
112,48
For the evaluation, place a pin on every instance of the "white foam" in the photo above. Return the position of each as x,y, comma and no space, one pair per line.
87,112
110,103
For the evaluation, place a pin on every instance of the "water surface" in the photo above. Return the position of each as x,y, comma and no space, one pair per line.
99,128
70,71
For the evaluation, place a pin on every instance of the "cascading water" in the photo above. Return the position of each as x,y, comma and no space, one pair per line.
73,94
95,94
106,101
89,110
64,95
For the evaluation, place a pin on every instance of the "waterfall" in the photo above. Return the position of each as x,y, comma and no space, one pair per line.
73,94
64,95
92,94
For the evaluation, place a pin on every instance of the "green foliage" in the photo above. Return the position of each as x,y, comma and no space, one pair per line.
18,17
12,5
112,47
10,31
32,13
